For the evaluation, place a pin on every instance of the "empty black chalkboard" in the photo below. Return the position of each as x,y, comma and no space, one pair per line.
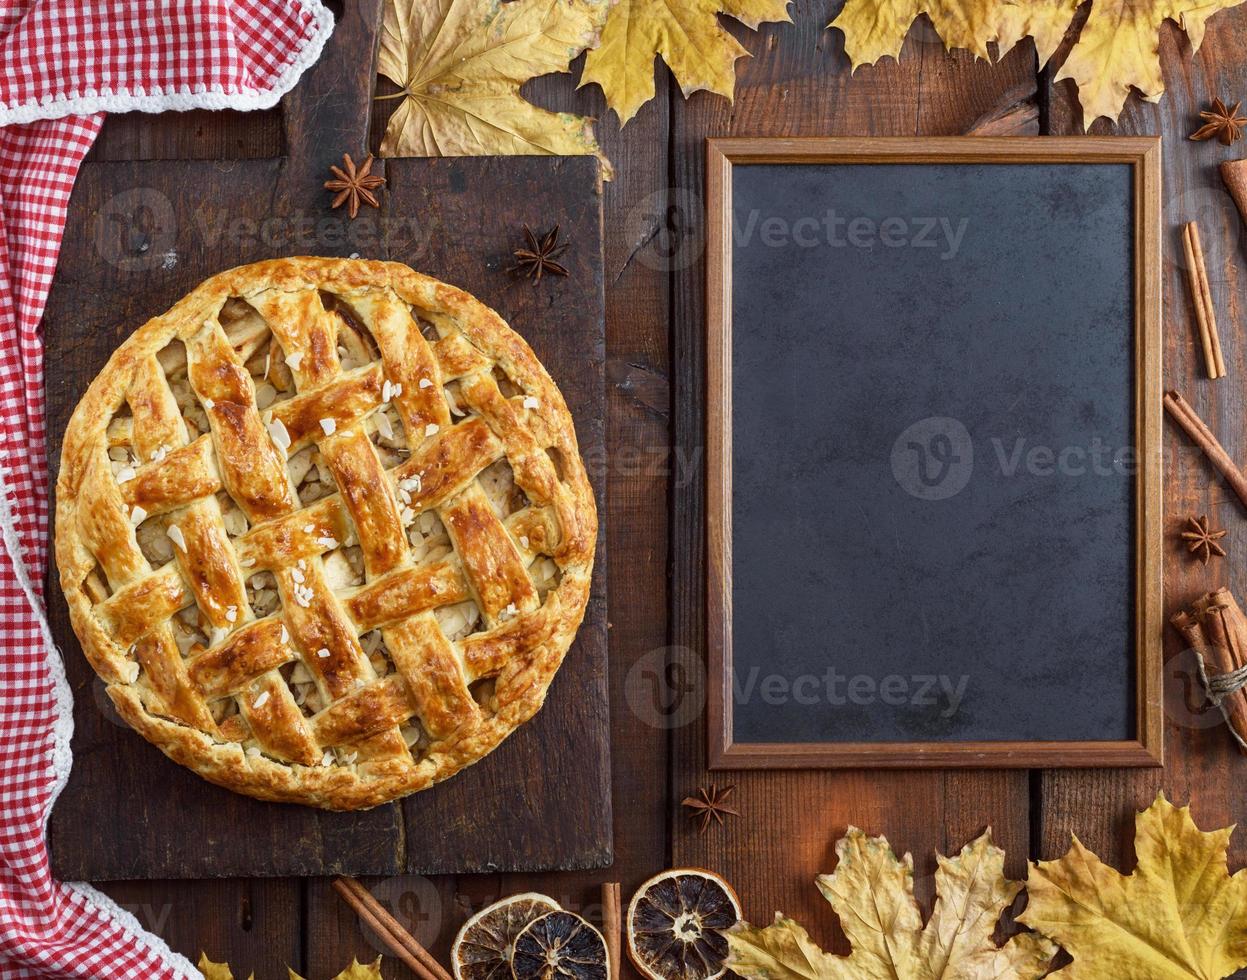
934,408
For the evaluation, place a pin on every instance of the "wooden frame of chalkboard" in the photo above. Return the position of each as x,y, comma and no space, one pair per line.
1142,155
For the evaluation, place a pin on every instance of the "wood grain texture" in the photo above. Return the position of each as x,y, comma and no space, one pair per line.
97,302
636,471
135,242
546,803
798,83
791,820
644,227
1202,764
253,921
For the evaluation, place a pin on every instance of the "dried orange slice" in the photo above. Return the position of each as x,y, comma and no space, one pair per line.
676,922
560,946
482,950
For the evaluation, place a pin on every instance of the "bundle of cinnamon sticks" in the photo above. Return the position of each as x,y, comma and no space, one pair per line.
1215,628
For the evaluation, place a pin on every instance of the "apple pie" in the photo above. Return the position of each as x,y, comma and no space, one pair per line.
324,530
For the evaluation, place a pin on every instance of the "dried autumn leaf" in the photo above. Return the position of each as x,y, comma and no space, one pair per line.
873,894
215,971
461,63
356,971
1117,49
781,951
1179,916
875,29
688,36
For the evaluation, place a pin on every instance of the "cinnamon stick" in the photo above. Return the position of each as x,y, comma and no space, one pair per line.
1214,626
401,943
1201,295
1202,436
1234,174
612,927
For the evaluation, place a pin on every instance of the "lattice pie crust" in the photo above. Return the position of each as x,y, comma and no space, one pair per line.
324,530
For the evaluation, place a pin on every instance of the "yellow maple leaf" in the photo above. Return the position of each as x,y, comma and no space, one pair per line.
875,29
873,894
356,971
461,63
1179,916
215,971
1117,49
685,33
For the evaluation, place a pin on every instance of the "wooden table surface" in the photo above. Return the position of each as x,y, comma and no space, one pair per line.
798,83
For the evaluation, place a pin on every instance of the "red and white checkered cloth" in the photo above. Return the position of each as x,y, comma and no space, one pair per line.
63,64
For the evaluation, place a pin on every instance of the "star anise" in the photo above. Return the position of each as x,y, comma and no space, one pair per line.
709,804
354,184
539,257
1201,540
1221,121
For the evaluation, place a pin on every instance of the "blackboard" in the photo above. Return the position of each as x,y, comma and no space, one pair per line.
934,452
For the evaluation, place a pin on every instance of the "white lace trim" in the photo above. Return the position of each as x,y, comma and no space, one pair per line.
62,758
179,964
182,98
63,727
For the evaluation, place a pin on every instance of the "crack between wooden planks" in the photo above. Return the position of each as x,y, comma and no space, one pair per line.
673,425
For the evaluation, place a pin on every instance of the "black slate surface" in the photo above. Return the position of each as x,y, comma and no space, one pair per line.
933,480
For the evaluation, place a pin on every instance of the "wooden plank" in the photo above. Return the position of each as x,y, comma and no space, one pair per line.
256,924
96,303
199,134
1201,763
252,924
636,474
135,242
545,795
790,820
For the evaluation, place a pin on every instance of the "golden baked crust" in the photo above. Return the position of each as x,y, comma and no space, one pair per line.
349,466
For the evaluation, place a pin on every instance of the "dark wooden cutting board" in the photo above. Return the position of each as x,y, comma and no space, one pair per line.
138,237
